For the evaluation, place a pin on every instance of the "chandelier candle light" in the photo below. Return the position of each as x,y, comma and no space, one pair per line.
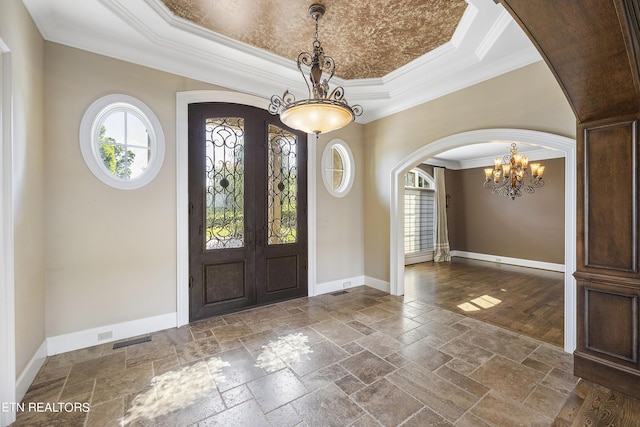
507,176
323,111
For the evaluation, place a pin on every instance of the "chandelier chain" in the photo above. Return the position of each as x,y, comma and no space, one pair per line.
325,110
315,35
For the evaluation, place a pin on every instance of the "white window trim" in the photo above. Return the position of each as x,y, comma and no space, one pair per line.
349,167
419,172
89,131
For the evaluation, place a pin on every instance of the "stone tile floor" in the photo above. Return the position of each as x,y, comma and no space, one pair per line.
363,358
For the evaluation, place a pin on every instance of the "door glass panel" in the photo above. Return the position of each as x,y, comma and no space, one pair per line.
224,183
282,190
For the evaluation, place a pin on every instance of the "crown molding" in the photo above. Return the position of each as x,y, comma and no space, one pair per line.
192,28
487,160
468,17
146,33
443,163
532,155
494,33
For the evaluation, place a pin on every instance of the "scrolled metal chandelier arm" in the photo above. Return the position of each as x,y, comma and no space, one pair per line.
324,110
507,177
508,189
306,59
278,103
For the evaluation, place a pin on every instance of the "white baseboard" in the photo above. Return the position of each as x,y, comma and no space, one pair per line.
30,371
89,337
412,259
511,261
378,284
339,285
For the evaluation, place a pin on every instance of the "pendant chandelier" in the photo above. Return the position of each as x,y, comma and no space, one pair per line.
507,177
323,111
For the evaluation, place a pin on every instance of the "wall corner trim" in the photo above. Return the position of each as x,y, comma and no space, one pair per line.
119,331
338,285
7,267
30,371
378,284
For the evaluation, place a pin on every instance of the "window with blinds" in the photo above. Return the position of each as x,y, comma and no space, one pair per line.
419,220
419,217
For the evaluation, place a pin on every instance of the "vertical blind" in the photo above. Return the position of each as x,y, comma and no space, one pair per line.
419,220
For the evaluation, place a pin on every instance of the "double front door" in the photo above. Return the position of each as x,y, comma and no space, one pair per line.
247,209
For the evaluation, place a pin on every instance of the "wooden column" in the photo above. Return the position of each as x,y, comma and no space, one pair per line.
607,277
592,47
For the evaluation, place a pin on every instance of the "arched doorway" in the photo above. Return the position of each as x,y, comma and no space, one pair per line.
548,140
247,232
183,99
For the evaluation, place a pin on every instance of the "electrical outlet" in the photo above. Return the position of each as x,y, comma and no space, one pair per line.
346,285
105,335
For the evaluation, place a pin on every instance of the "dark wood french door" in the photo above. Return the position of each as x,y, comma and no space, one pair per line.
247,209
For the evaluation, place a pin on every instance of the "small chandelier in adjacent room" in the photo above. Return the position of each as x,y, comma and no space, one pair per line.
323,111
507,177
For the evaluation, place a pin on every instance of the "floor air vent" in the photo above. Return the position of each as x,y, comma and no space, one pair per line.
335,294
132,342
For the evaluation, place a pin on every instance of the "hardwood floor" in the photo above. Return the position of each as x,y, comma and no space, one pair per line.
524,300
590,404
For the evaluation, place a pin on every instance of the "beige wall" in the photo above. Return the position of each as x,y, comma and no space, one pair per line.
527,98
111,254
340,221
530,227
26,47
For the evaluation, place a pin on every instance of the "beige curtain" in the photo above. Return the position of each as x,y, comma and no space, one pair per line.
442,252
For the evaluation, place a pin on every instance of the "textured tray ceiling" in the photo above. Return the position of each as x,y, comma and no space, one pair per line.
366,38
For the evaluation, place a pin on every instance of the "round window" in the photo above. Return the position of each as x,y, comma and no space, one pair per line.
337,168
122,141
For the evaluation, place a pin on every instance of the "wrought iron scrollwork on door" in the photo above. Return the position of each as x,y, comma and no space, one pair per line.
224,183
282,194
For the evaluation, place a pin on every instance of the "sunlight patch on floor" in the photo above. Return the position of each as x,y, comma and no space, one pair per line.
284,351
467,306
176,389
476,304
